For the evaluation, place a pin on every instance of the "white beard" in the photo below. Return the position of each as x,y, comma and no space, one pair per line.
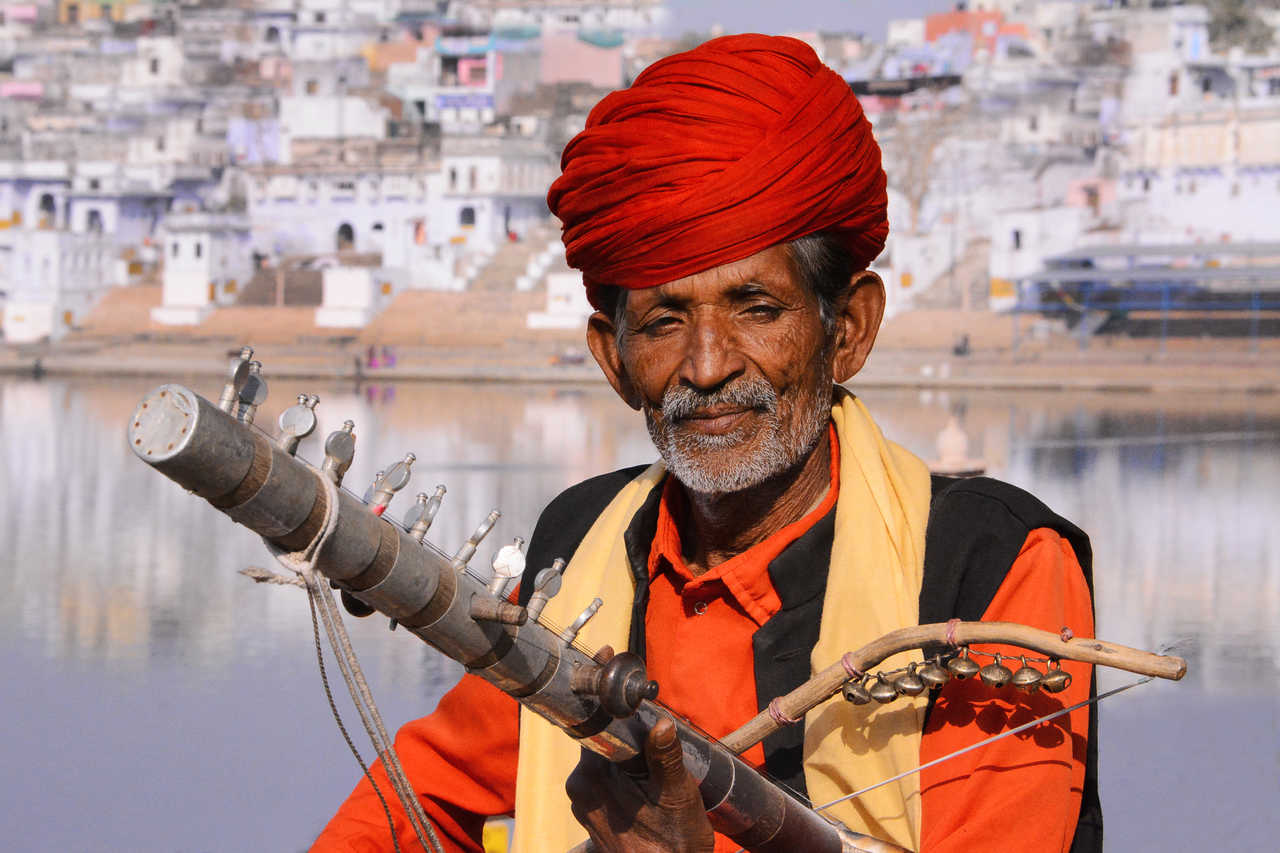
720,464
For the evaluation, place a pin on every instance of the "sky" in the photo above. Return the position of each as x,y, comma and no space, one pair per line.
775,16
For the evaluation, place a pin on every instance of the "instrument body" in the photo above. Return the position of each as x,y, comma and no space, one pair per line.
250,479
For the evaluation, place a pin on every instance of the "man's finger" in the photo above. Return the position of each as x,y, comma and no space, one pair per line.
664,756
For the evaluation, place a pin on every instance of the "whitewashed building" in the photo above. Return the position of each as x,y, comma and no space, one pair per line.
207,258
51,279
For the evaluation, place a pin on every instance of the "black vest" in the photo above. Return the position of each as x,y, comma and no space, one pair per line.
976,529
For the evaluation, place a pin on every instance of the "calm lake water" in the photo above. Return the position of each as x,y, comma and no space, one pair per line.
154,700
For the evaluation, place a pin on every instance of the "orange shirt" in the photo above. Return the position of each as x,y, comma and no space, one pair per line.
966,801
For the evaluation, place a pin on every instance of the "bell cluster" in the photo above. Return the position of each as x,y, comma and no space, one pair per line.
914,679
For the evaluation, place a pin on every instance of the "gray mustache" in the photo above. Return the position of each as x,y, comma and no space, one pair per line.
681,401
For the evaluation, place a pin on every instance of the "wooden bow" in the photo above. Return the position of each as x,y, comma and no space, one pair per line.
828,682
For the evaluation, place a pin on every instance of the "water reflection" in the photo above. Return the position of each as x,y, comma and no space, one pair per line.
113,576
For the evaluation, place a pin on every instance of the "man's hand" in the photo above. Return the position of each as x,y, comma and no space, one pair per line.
662,813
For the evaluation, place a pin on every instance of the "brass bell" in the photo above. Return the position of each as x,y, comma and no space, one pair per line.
1026,678
1056,680
882,691
933,675
962,667
995,674
909,684
854,692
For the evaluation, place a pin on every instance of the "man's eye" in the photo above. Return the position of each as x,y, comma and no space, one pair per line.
658,325
764,312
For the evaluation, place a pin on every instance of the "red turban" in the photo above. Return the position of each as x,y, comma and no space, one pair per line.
713,155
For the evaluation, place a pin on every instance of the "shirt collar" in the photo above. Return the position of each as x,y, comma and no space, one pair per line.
745,576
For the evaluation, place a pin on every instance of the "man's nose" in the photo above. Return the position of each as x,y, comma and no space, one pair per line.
712,355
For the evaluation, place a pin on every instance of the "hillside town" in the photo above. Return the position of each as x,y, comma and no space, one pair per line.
164,165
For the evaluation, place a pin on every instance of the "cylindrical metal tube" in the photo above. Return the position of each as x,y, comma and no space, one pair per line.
280,497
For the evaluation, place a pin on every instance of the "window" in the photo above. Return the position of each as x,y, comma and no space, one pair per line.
1033,123
471,177
377,226
1017,240
312,86
94,183
199,248
1146,185
159,143
320,17
467,217
155,66
173,250
1173,84
1206,84
453,178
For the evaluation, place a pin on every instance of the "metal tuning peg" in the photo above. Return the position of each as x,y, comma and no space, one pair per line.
507,564
252,394
237,373
620,683
419,517
373,487
545,585
297,422
468,549
339,450
395,479
568,635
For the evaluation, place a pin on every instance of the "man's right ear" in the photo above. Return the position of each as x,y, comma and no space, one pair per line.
602,340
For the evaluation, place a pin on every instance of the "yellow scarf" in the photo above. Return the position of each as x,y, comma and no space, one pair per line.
873,587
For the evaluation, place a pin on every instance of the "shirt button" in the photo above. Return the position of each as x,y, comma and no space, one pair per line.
699,607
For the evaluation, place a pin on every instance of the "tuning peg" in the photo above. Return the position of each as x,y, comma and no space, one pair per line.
419,517
237,373
395,479
252,394
373,487
468,549
507,564
568,635
339,450
545,586
297,422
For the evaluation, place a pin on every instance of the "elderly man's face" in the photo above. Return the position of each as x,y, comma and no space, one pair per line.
731,367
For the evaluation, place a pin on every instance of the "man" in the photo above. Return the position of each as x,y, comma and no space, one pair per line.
723,211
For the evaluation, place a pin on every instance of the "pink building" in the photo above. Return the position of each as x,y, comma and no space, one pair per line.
568,59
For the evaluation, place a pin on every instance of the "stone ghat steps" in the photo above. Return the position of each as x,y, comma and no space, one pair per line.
462,320
122,311
301,287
